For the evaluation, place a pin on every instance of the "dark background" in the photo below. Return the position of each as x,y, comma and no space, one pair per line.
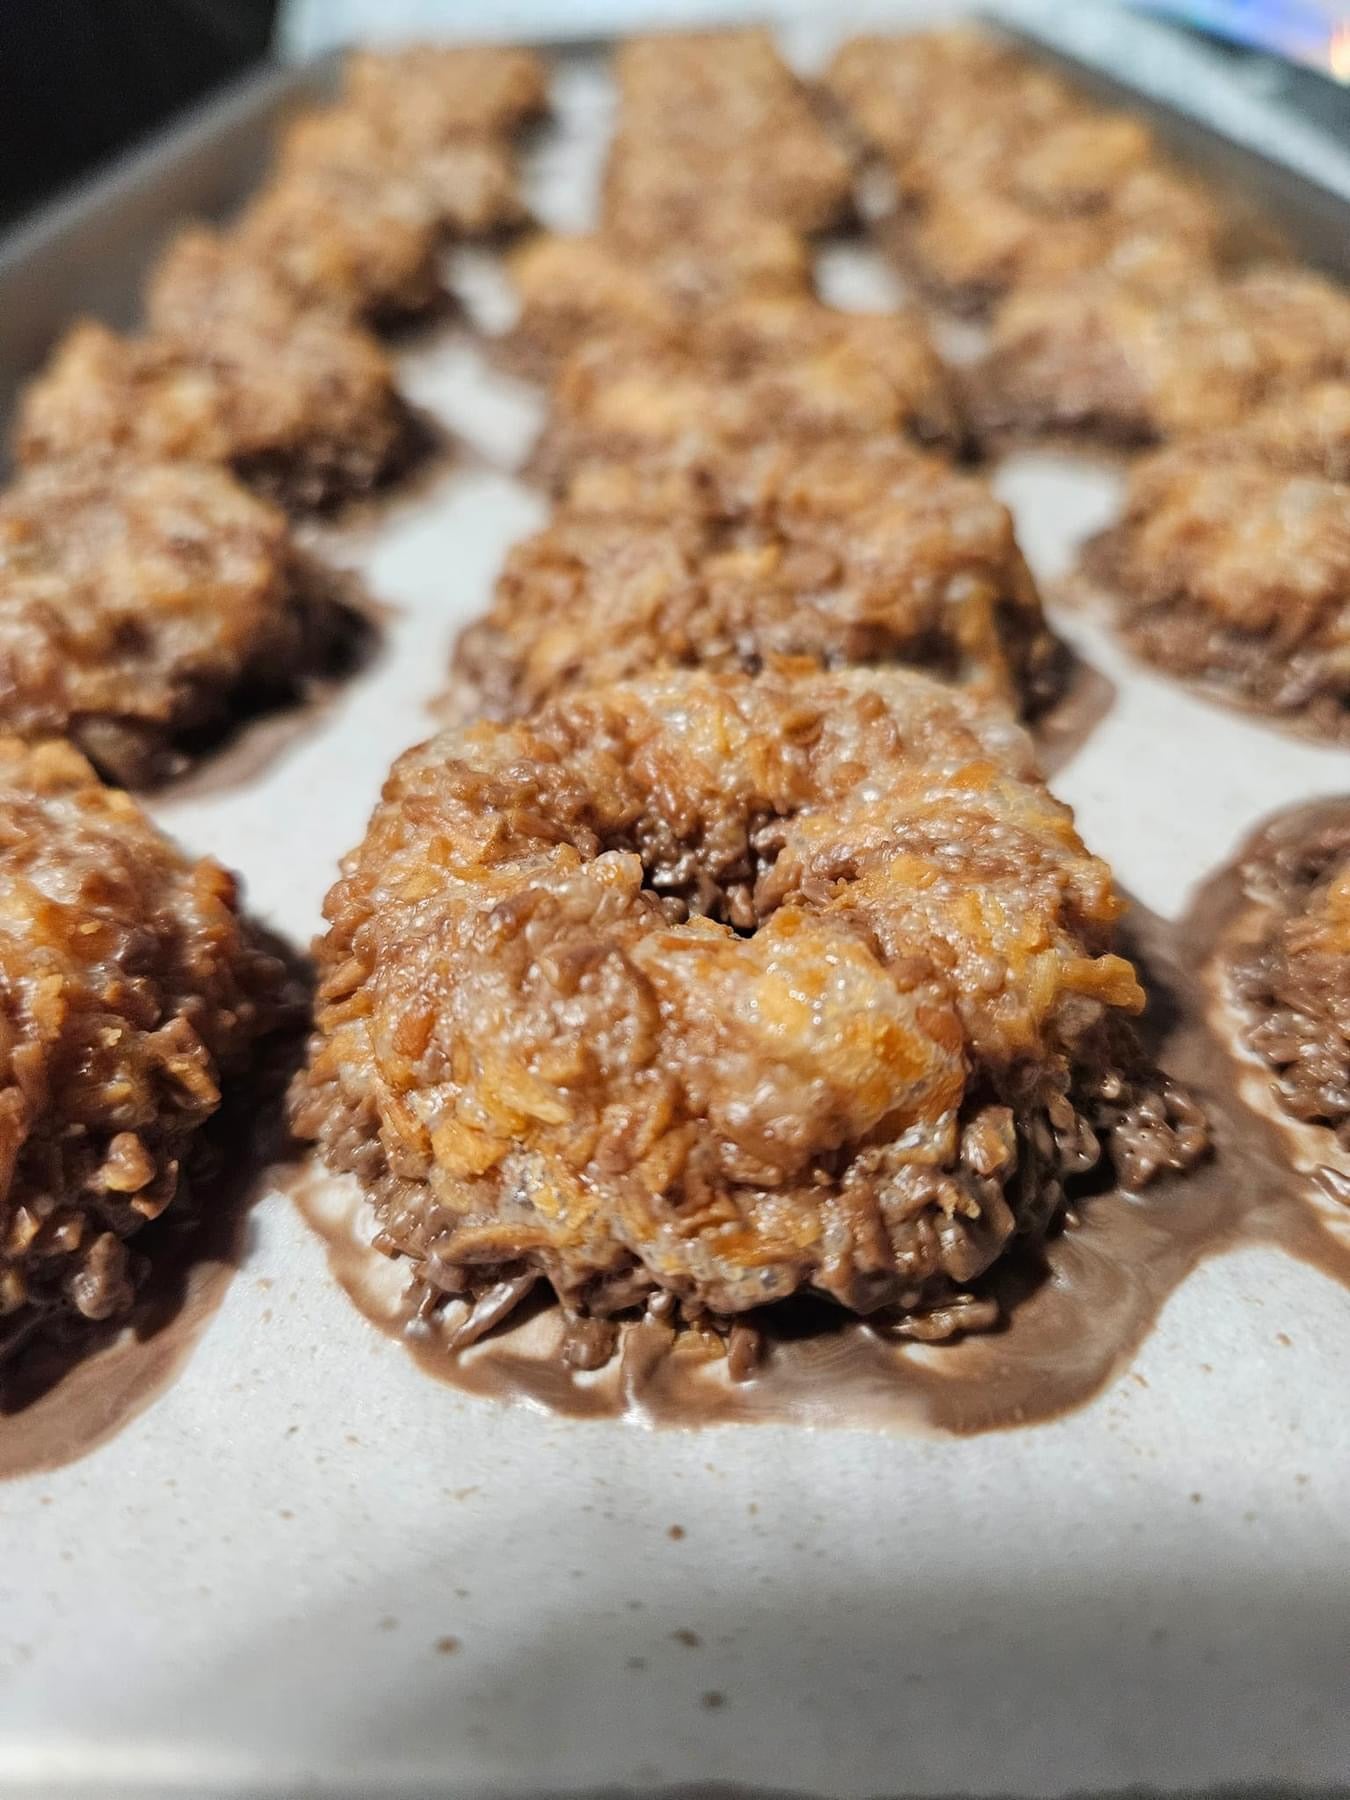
81,79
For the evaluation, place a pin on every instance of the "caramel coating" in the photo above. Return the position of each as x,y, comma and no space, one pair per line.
466,186
299,404
1232,572
130,988
844,554
136,601
787,369
573,289
1130,364
433,94
727,988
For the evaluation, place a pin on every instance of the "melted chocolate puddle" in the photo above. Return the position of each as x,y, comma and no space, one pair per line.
1076,1311
61,1397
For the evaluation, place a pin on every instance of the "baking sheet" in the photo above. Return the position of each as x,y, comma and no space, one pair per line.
310,1569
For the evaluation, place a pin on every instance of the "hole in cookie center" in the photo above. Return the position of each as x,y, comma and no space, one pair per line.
716,876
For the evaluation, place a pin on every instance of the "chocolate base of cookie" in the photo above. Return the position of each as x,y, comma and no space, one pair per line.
1121,1124
1291,986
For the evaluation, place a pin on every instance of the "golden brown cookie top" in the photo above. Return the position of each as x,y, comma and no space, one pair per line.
437,92
129,986
1133,362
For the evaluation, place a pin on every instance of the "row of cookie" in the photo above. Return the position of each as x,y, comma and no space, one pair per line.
145,583
1153,340
1125,310
694,977
1091,362
739,474
1127,305
147,587
252,355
